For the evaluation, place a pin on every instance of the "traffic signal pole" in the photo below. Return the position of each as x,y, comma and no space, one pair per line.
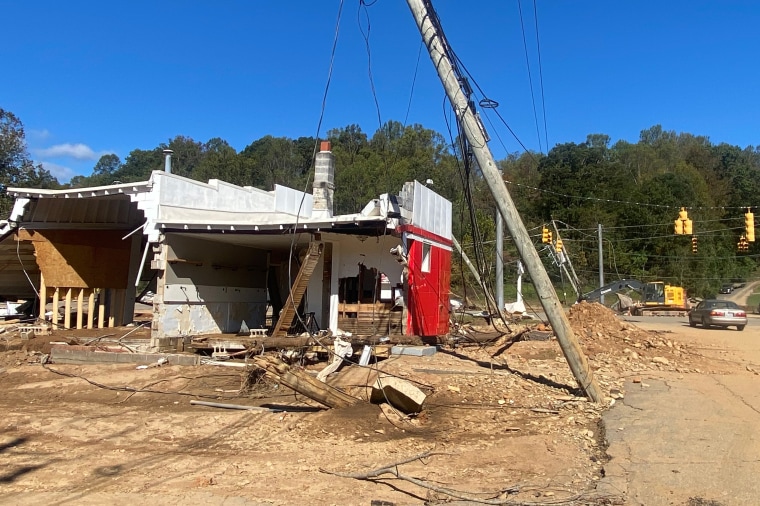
437,45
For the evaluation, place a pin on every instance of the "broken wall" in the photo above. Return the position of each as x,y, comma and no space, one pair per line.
360,261
210,287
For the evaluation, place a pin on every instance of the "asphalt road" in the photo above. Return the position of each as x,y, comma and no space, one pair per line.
690,439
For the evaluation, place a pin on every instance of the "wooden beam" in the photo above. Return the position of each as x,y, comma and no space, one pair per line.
91,309
56,302
102,308
301,382
43,297
67,314
80,308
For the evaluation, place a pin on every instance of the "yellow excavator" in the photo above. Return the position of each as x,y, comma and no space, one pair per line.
656,297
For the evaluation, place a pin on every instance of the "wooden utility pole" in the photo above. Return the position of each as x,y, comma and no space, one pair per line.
438,47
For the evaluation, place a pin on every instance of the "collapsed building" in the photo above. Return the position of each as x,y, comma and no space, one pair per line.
226,259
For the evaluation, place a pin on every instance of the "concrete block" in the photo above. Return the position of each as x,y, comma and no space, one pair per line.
399,393
84,355
416,351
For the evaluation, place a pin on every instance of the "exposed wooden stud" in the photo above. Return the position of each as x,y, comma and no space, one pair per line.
56,302
102,308
91,309
80,308
67,309
43,297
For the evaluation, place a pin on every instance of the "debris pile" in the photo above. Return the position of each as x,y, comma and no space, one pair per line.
614,344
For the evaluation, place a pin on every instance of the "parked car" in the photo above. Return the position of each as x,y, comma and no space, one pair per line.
727,288
720,313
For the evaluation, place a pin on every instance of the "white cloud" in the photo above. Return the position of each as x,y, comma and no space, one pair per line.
67,150
39,135
62,173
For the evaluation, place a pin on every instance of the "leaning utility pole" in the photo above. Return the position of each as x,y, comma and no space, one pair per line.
440,54
499,263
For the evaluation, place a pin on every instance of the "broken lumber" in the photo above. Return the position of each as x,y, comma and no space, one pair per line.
232,406
303,383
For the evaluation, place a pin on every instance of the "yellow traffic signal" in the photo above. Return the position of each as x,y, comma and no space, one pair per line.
687,229
749,225
743,244
683,224
558,246
694,244
546,236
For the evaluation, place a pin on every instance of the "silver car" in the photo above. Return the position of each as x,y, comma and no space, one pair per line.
721,313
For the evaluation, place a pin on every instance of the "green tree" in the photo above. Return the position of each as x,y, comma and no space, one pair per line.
139,164
277,160
221,161
104,171
187,155
16,167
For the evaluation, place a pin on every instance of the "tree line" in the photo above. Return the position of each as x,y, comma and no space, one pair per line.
634,190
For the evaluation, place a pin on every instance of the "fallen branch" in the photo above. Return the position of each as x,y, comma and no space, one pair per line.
392,469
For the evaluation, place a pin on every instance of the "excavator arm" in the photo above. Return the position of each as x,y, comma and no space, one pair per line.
617,286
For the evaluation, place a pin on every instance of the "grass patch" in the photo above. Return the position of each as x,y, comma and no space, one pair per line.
753,301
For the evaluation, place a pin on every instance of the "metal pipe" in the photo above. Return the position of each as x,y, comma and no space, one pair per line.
168,161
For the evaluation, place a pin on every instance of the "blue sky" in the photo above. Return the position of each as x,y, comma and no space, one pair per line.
88,78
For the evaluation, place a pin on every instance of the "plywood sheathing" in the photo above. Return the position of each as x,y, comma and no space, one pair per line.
81,259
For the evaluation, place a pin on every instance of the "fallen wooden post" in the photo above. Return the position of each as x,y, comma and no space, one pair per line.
233,406
303,383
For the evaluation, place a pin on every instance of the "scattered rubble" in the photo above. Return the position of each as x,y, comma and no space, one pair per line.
500,409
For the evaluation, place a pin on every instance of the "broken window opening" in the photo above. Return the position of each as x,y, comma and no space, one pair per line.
425,266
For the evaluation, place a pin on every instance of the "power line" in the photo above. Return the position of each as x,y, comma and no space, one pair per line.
669,224
530,76
615,201
541,75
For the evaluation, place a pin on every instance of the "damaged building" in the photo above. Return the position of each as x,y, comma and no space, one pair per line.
224,259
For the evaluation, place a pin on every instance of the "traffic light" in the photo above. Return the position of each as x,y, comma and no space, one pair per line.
743,244
546,236
694,244
749,225
682,226
558,246
687,229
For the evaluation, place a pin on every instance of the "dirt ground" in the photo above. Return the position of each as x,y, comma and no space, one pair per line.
502,425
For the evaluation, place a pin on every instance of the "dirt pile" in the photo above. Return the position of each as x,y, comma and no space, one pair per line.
614,344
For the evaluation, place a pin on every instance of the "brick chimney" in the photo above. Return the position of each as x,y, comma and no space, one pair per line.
324,182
